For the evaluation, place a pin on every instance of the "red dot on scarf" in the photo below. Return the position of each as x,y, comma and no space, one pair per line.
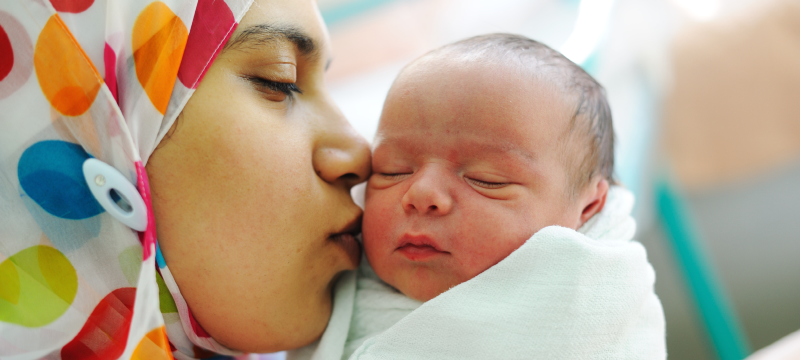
16,55
71,6
110,60
213,24
110,321
6,54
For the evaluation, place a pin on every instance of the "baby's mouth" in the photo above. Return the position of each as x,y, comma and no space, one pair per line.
419,248
420,252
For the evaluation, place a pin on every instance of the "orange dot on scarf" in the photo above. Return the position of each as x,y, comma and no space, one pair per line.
153,346
159,39
66,75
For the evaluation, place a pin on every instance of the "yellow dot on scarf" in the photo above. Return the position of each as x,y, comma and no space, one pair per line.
66,75
158,41
153,346
39,284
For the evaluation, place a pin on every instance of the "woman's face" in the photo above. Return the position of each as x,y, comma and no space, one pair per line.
252,187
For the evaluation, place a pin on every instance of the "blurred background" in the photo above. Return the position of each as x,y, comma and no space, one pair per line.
705,96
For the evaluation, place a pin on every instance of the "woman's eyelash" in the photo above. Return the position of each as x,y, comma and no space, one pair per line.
287,89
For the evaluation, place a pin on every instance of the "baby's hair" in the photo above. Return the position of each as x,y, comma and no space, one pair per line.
592,117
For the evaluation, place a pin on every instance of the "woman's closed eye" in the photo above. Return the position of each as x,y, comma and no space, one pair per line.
274,90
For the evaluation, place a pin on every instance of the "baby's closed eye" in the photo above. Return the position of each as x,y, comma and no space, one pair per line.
486,184
394,175
384,179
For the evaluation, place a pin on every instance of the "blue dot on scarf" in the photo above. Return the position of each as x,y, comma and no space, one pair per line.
51,174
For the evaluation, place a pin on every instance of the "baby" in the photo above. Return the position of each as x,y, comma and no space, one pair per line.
481,144
490,153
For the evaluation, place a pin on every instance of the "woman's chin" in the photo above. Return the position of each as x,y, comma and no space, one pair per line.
304,331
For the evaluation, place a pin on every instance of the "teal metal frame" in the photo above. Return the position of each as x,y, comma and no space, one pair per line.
720,322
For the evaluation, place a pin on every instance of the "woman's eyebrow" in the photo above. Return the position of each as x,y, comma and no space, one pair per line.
262,34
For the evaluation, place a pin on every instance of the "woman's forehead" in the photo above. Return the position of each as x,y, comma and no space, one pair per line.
296,22
265,34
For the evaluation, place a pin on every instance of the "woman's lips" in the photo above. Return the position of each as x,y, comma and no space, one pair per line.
346,240
349,244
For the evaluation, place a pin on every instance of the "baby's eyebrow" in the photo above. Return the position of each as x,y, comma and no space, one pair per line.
495,147
505,147
262,34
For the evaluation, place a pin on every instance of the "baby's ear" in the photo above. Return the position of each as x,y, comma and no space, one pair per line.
594,198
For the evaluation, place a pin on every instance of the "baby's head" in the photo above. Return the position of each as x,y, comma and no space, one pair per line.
481,144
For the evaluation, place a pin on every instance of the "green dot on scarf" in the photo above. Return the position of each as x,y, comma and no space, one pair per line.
39,285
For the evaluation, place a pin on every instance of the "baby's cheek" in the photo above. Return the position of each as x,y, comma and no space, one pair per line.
377,224
488,251
377,228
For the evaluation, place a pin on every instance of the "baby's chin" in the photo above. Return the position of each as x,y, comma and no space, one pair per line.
425,290
420,295
422,280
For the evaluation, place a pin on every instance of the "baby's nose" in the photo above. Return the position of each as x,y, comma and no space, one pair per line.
427,195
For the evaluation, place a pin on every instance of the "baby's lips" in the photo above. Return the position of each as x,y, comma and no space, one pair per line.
418,240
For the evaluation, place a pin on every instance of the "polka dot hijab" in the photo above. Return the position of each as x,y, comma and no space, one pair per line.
88,88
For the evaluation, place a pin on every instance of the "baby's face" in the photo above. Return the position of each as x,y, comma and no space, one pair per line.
467,165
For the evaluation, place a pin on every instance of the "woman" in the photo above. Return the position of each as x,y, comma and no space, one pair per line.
250,171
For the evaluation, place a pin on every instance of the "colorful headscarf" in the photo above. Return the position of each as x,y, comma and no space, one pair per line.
101,79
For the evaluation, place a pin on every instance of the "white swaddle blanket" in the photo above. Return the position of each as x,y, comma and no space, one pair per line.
564,294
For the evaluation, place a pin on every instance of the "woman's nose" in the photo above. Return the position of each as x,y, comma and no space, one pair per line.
341,155
428,194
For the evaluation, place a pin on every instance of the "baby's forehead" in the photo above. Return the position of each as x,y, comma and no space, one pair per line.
496,75
477,105
541,62
451,89
478,110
